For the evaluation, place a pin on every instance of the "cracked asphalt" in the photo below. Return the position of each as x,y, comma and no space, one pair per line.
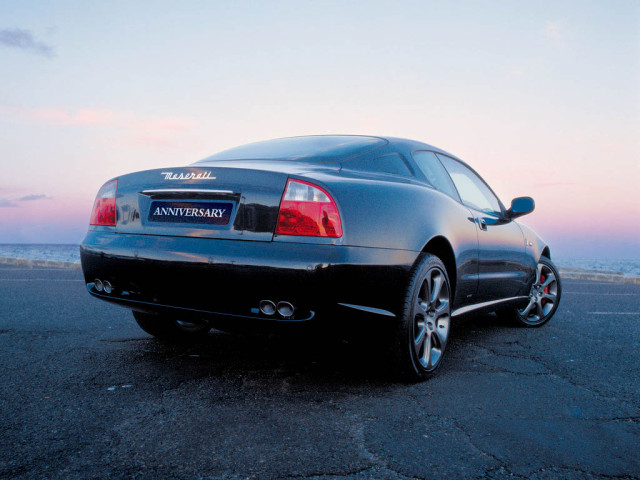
86,394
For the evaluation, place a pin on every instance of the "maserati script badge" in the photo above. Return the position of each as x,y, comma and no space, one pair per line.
187,176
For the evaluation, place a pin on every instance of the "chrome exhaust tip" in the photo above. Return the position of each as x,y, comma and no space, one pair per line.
108,288
267,307
98,284
285,309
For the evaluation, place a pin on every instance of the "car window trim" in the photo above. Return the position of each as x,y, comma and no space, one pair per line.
458,199
403,159
501,213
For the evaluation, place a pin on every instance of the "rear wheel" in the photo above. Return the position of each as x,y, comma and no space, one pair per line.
422,333
544,296
170,329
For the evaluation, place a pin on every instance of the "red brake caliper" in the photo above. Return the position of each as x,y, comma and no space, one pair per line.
546,290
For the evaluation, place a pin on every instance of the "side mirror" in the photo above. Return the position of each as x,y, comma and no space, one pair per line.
521,206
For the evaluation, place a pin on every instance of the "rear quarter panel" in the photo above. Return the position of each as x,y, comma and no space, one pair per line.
384,211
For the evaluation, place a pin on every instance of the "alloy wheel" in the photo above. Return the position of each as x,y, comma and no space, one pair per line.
543,297
431,319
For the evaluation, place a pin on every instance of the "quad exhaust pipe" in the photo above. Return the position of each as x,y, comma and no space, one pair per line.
103,286
267,307
284,309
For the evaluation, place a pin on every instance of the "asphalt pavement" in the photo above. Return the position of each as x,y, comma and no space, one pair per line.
84,393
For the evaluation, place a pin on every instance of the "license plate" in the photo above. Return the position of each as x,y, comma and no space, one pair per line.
210,213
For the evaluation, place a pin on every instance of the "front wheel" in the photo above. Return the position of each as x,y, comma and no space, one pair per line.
422,333
544,296
170,329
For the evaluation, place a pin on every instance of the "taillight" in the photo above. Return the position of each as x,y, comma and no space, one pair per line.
308,210
104,208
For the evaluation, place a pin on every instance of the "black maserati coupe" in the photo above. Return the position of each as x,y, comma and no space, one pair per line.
333,228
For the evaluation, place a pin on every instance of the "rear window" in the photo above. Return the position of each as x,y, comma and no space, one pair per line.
392,163
330,148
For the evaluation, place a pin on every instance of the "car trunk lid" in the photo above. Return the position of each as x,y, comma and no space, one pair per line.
201,201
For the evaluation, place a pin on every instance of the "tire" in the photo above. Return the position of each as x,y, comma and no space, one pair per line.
423,330
169,329
544,297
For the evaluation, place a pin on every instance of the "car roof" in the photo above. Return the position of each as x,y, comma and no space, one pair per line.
413,145
402,145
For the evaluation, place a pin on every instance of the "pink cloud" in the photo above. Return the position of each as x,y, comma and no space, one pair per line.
82,117
63,220
133,128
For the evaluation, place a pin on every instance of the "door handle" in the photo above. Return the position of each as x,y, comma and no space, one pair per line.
482,223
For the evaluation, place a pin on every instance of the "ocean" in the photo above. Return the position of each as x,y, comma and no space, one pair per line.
71,253
57,252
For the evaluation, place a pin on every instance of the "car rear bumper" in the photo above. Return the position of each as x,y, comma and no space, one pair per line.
228,278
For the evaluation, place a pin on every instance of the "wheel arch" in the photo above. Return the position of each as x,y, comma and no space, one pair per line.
441,248
546,252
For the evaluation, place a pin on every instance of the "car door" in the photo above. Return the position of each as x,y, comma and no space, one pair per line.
503,266
466,245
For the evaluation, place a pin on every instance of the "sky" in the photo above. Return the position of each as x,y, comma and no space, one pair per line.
541,98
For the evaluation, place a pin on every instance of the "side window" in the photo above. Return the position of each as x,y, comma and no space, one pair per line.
429,164
392,164
473,191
